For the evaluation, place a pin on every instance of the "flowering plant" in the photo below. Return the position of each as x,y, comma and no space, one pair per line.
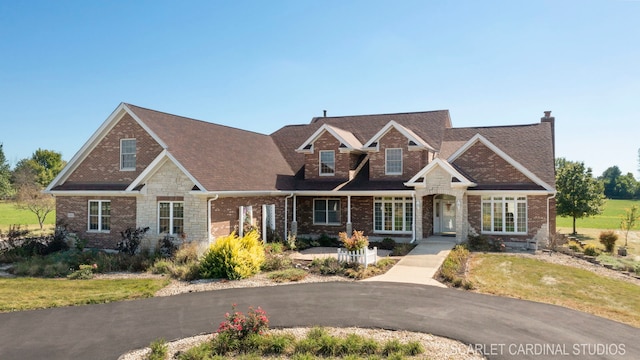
238,325
354,242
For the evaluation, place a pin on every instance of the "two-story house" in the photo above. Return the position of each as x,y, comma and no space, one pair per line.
406,176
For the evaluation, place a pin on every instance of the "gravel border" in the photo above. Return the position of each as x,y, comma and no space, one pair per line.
436,347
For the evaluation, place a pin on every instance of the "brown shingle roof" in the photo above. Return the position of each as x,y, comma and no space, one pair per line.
221,158
530,145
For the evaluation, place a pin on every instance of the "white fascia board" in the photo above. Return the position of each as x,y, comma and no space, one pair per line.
145,127
503,155
252,193
410,135
187,173
350,146
510,192
77,159
356,193
151,169
444,165
93,193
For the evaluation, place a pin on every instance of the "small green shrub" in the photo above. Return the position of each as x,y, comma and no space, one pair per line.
608,239
392,346
85,272
274,248
484,243
278,344
233,258
387,244
291,241
326,240
413,348
591,250
273,262
453,266
162,266
159,349
327,266
287,275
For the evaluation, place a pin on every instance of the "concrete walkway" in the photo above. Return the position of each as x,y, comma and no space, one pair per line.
421,264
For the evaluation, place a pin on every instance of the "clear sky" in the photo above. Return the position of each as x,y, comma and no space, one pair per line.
260,65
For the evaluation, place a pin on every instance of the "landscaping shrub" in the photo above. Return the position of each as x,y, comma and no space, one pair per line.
287,275
326,240
274,248
608,239
238,326
484,243
159,349
85,272
402,249
166,247
327,266
454,265
131,239
187,253
273,262
591,250
291,241
233,258
387,244
354,242
278,344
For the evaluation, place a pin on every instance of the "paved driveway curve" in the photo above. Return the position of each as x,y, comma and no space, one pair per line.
504,328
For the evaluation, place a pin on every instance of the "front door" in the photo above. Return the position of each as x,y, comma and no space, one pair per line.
444,215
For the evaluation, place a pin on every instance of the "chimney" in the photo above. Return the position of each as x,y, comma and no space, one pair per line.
325,113
551,120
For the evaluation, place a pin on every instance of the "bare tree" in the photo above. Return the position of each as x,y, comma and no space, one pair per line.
30,197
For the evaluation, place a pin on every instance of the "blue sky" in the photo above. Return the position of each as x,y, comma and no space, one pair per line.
259,65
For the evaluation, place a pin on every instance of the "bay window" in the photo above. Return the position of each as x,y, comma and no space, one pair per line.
504,214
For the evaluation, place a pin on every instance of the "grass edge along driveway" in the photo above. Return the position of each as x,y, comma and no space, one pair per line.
536,280
18,294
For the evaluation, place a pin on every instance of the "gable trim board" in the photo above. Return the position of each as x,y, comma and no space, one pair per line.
284,160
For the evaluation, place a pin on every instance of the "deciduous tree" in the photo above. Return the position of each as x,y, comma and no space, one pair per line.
6,190
579,194
630,220
30,197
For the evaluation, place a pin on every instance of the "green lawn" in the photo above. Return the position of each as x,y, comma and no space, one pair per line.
535,280
10,214
609,219
34,293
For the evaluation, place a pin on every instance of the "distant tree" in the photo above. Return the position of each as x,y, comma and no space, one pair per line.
630,220
626,187
48,164
6,190
24,173
609,179
579,194
30,197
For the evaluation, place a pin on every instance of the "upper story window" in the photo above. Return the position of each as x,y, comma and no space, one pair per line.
99,215
393,161
327,162
171,217
504,214
128,154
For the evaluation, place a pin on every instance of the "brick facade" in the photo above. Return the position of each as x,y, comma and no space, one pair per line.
102,164
412,161
343,161
74,212
486,167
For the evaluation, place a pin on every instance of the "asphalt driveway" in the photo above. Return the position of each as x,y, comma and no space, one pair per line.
504,328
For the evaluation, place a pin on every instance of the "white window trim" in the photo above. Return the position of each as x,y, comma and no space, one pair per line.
320,162
171,217
386,162
99,229
122,168
404,201
327,223
504,214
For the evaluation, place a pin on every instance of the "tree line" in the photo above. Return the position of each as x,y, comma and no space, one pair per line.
30,176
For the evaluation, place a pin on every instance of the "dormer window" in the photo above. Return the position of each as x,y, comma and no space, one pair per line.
128,154
327,163
393,161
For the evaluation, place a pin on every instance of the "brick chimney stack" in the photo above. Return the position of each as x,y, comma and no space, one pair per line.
551,120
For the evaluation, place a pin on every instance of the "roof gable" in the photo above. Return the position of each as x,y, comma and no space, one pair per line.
348,142
420,179
502,154
414,140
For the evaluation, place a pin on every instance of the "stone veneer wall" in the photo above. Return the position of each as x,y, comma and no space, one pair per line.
169,182
73,211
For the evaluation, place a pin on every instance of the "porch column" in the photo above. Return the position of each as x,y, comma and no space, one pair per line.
294,222
460,217
349,225
418,215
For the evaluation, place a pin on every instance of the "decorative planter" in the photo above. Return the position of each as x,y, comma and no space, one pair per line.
622,251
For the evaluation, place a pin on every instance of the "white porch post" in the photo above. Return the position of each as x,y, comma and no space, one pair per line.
417,216
294,222
349,225
460,216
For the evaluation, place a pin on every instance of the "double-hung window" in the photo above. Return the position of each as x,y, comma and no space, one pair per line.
128,154
327,162
504,214
393,214
326,211
393,161
171,217
99,215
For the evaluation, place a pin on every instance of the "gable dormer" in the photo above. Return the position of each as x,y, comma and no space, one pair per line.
396,152
330,153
